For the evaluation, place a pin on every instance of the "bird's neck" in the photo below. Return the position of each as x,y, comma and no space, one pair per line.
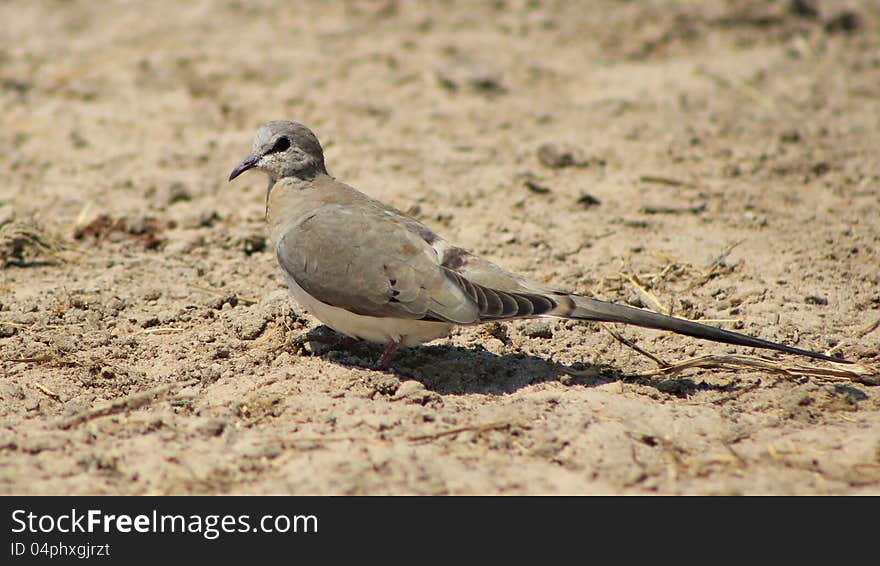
289,198
290,184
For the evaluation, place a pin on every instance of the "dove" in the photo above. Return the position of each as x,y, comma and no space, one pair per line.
370,272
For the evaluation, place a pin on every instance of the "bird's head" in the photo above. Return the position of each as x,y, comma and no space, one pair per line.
284,149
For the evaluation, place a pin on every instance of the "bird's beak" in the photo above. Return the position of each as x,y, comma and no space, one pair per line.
249,163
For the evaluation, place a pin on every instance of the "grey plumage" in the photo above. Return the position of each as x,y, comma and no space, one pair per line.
371,272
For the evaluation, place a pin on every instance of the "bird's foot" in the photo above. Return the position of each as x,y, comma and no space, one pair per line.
387,355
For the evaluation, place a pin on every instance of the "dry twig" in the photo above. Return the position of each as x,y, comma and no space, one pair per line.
47,391
669,181
128,403
841,372
501,425
635,347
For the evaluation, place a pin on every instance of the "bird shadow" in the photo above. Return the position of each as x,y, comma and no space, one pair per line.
447,369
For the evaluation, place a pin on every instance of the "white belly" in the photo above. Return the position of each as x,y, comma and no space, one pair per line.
371,328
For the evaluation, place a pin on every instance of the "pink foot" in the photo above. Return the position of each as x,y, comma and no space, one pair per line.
388,355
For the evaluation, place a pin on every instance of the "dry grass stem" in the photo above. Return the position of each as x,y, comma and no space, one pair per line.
127,403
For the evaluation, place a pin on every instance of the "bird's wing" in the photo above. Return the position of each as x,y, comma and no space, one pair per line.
375,261
368,261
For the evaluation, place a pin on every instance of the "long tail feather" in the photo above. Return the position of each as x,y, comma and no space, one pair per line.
593,309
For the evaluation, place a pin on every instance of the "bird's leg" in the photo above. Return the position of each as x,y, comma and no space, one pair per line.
388,355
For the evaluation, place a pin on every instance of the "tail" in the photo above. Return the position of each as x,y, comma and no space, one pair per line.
586,308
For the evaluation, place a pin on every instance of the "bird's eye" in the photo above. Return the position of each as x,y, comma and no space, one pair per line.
281,144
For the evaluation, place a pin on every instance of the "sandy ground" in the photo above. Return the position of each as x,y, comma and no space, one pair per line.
718,159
